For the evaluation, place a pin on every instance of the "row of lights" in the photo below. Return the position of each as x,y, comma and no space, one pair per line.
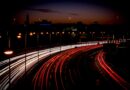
42,33
33,33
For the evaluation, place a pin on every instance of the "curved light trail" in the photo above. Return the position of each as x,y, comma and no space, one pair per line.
54,66
105,67
18,63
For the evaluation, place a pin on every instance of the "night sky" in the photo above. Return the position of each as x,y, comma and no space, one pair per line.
66,11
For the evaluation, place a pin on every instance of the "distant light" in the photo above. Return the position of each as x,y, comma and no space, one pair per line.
102,32
83,32
19,36
34,33
73,32
8,52
47,33
63,32
57,32
53,33
42,33
0,36
30,33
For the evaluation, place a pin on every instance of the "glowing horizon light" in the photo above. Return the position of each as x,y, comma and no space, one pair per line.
8,52
67,12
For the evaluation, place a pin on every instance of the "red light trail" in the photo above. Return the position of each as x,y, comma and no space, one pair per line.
54,66
103,65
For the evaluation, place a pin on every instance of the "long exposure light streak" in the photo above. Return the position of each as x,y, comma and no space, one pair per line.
56,64
17,63
101,63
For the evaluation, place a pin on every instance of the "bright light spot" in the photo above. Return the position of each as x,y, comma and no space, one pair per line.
53,33
30,33
73,32
63,32
47,33
19,36
42,33
8,52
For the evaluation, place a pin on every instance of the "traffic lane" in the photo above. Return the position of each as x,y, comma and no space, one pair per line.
105,68
19,72
41,80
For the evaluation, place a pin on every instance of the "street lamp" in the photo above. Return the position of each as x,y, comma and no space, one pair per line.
92,34
0,36
42,33
30,33
34,33
60,40
50,40
19,36
8,52
102,34
38,45
25,47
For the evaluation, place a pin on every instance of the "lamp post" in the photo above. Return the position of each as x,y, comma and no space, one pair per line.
60,40
92,34
25,47
50,41
0,36
38,46
8,53
102,33
50,38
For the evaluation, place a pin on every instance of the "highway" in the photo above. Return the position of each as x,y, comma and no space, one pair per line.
105,68
23,63
54,71
54,68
